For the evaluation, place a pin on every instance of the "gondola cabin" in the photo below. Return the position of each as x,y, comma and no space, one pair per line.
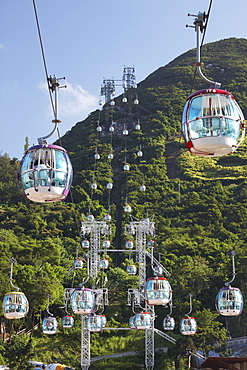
131,269
94,323
82,301
68,321
106,244
188,325
78,264
15,305
45,174
129,244
85,243
107,217
103,264
229,301
212,123
142,320
49,325
168,323
158,291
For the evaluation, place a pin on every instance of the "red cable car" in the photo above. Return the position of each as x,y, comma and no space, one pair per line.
158,291
213,124
188,325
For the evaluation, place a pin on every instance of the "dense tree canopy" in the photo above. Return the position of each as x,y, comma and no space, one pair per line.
198,205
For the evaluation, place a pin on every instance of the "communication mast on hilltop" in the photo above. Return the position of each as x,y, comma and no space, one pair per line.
108,87
129,79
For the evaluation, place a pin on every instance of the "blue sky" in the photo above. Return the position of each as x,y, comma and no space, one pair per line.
86,41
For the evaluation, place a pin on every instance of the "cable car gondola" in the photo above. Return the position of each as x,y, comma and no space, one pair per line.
158,291
103,264
94,323
212,123
85,243
78,264
45,173
106,243
229,300
82,301
168,323
188,325
142,320
129,244
49,325
68,321
131,269
15,305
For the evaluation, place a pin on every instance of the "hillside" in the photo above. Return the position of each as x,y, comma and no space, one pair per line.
199,207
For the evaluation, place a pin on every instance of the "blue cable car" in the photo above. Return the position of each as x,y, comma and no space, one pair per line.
45,173
68,321
188,325
212,123
229,301
82,301
168,323
49,325
158,291
15,305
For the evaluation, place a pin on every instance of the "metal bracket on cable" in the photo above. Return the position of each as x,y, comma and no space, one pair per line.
199,28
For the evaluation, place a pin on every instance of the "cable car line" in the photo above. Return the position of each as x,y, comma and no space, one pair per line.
43,57
206,24
213,124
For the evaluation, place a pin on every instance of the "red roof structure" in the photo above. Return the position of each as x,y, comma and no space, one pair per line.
225,363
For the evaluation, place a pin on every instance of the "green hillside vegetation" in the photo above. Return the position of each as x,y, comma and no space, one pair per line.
199,206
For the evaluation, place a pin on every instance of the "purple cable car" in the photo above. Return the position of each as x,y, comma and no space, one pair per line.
83,301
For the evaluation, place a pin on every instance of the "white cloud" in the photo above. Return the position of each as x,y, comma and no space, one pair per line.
74,103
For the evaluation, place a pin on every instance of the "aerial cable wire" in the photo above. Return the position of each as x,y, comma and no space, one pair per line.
48,79
206,23
43,55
